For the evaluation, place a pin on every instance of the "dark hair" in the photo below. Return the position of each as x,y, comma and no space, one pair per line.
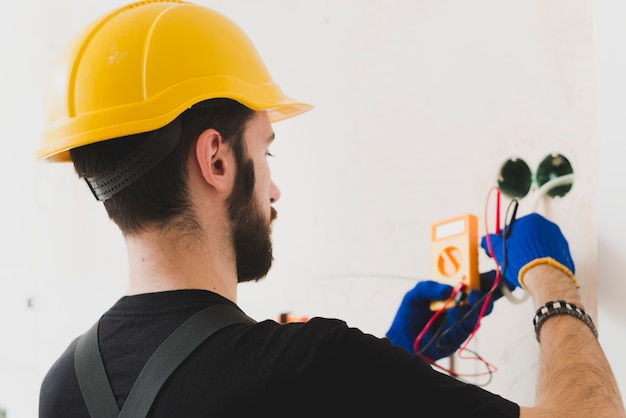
160,196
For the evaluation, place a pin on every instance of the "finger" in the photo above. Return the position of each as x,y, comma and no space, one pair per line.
487,280
477,298
429,290
492,239
458,312
462,320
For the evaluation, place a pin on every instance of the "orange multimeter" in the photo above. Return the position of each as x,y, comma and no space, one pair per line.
454,254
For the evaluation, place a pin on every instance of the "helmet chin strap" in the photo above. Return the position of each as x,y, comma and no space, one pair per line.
158,145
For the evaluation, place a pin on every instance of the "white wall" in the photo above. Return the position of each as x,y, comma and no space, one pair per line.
610,59
417,105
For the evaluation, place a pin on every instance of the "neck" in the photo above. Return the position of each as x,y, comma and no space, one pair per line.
161,261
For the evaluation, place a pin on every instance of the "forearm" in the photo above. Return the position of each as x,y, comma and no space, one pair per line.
575,379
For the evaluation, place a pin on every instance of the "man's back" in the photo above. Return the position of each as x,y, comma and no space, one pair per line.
267,369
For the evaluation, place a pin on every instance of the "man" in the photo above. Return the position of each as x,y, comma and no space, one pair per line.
166,110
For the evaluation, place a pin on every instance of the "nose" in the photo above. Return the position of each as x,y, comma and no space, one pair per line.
274,192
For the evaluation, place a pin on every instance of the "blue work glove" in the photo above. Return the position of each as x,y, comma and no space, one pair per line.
531,240
414,313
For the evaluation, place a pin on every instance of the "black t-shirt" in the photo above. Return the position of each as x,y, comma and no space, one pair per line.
318,368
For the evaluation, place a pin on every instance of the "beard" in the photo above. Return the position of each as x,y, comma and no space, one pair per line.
251,230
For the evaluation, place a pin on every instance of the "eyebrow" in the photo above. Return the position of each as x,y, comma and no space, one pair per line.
271,138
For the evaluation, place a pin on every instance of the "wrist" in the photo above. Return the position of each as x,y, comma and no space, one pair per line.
561,307
546,282
544,260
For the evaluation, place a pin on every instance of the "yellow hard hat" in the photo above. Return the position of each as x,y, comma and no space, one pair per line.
139,67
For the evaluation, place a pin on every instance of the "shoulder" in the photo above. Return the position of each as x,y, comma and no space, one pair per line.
318,345
323,333
62,369
59,387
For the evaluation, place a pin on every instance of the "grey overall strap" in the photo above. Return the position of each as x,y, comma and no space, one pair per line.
92,377
171,353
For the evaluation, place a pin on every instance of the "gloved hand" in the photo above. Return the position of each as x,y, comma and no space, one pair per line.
414,313
532,240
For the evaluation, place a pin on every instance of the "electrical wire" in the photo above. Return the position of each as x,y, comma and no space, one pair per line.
483,303
503,287
513,299
456,291
540,194
551,184
510,217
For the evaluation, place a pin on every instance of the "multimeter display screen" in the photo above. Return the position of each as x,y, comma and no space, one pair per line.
449,229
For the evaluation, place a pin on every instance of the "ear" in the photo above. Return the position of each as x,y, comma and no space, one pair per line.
211,155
